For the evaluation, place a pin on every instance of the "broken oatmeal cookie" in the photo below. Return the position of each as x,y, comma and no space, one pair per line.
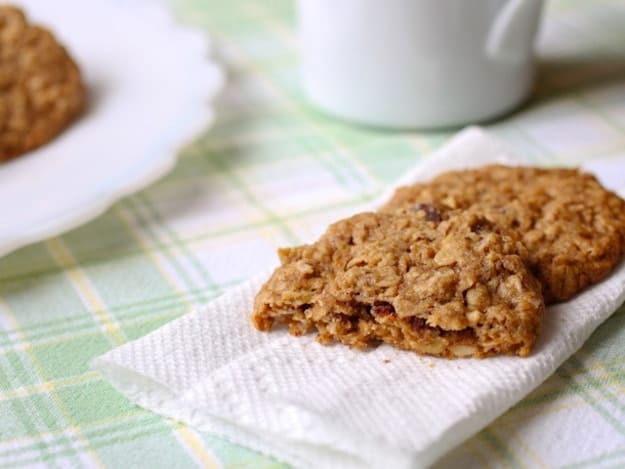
447,285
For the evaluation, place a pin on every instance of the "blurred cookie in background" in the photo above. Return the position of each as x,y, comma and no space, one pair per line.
41,89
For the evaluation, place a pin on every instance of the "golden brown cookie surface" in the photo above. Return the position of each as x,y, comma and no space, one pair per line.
573,228
41,90
451,287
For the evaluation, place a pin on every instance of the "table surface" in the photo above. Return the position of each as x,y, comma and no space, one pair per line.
271,172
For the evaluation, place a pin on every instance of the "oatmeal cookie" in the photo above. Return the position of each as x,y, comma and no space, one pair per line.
41,90
572,227
450,287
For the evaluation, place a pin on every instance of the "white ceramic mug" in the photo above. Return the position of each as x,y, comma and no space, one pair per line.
417,63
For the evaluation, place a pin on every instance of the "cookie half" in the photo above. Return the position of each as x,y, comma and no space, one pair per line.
573,228
451,288
41,90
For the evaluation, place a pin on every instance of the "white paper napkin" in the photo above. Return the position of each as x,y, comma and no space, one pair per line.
333,407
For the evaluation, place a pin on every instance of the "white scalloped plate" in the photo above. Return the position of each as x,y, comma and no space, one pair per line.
150,81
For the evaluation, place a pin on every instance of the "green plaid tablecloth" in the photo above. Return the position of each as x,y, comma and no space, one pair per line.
270,172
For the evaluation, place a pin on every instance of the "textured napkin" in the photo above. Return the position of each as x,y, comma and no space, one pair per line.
333,407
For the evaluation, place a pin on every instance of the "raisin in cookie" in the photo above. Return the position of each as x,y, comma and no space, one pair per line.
41,90
451,288
573,228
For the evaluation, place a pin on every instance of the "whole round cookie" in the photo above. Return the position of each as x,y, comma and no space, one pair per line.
41,90
573,228
451,288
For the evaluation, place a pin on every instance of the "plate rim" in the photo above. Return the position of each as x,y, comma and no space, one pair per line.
164,160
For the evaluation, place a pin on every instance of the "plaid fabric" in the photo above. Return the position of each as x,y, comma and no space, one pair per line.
270,172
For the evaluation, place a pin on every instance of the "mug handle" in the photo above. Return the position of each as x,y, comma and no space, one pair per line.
511,36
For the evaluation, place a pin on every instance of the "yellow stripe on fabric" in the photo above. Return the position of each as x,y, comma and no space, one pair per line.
473,448
107,423
604,373
537,461
193,443
60,339
153,257
79,279
500,452
48,386
512,418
